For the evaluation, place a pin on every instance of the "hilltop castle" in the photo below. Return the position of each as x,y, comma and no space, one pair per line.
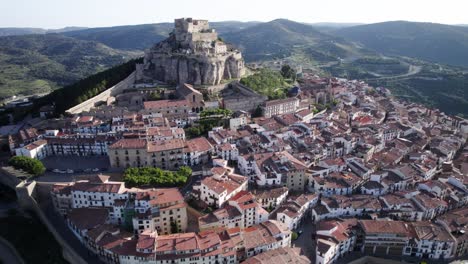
193,54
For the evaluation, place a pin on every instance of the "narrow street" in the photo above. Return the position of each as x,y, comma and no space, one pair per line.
305,240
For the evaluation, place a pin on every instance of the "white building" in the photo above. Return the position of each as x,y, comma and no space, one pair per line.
215,190
240,211
430,241
334,239
281,106
295,210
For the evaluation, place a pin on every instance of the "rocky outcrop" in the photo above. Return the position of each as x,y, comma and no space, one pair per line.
194,70
195,57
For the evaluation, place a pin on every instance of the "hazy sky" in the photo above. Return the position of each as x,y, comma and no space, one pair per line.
98,13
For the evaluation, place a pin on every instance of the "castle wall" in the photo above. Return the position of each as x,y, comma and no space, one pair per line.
102,97
244,100
25,192
197,36
188,56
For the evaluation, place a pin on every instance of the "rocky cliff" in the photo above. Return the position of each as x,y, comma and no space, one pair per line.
173,68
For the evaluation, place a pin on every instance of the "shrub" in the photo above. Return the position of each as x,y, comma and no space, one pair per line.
157,177
29,165
267,82
294,235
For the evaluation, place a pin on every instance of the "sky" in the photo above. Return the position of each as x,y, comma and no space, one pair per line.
100,13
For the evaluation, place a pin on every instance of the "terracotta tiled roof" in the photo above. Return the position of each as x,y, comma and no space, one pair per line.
166,145
129,143
88,218
200,144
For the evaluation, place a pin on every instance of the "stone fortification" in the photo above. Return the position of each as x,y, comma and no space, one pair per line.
192,54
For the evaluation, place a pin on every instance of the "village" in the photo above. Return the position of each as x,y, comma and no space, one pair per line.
372,174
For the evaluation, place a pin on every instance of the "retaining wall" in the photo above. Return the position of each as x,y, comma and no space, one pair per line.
25,192
8,179
102,97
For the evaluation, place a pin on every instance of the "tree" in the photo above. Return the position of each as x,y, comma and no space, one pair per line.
267,82
135,177
270,208
257,112
154,96
174,227
84,89
29,165
294,235
288,73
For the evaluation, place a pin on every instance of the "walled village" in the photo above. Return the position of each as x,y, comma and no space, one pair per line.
363,174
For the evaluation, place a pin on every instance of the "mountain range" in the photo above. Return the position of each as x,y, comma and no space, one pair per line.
33,64
428,41
37,58
14,31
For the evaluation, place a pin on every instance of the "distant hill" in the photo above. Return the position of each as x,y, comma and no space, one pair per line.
138,37
31,64
21,31
27,31
330,26
281,38
428,41
141,37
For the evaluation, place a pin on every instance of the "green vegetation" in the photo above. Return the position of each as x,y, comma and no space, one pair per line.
174,228
267,82
381,66
31,239
428,41
204,125
294,235
29,165
210,118
281,38
135,177
34,64
84,89
216,112
444,88
141,37
288,73
258,112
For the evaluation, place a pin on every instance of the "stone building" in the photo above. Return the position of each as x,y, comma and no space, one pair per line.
193,54
167,154
238,97
281,106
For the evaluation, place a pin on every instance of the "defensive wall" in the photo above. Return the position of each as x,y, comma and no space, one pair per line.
102,97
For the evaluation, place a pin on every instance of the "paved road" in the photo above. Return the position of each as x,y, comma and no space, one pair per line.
412,70
7,254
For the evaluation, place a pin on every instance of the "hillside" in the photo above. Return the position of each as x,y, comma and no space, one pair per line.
283,38
141,37
428,41
28,31
32,64
138,37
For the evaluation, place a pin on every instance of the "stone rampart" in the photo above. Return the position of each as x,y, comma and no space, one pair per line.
102,97
25,191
